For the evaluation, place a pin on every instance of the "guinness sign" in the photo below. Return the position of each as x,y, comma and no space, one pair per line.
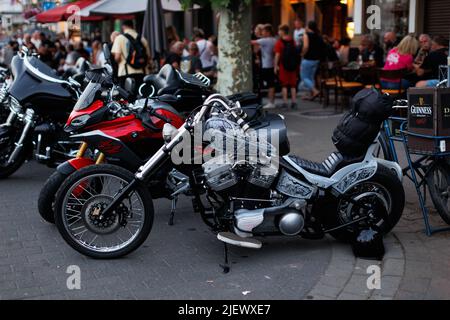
421,111
428,115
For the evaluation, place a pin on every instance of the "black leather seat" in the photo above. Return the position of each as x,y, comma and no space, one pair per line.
328,167
166,81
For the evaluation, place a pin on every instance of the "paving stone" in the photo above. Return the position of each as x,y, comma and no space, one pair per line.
393,267
357,285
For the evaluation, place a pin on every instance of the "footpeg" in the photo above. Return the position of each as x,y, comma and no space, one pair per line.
236,240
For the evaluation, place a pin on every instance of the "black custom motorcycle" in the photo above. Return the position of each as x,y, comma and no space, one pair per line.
105,211
39,103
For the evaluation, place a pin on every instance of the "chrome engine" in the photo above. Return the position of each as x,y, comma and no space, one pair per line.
246,181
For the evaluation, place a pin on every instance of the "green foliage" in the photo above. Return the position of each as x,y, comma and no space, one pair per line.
216,4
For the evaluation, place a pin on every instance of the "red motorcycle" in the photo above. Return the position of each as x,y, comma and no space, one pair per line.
109,130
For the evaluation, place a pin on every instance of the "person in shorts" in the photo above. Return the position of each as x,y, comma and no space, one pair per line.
266,44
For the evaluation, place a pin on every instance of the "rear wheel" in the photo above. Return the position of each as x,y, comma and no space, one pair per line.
383,193
438,182
78,212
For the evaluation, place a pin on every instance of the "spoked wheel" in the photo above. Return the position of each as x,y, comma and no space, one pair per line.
438,181
383,194
79,212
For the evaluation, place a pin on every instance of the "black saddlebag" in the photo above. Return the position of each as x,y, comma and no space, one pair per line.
360,126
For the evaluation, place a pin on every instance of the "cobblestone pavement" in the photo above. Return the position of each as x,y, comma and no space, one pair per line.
182,262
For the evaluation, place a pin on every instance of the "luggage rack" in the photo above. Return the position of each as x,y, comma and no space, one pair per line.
198,79
417,170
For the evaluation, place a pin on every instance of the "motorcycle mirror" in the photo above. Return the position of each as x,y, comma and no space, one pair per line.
107,52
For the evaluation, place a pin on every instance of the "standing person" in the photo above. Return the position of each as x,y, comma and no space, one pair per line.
313,51
98,57
286,65
205,48
256,60
299,31
267,45
400,57
172,36
132,54
191,63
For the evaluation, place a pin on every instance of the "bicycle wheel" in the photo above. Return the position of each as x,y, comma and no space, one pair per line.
438,181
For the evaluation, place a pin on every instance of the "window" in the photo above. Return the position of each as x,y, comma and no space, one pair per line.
394,16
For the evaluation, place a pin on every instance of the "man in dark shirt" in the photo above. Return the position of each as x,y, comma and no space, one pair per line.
429,69
372,51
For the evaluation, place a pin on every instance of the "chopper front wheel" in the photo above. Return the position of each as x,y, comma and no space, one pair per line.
78,212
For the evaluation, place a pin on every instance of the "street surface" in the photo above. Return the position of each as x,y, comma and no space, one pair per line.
182,261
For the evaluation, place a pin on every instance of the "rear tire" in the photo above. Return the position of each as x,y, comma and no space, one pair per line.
390,182
46,201
111,171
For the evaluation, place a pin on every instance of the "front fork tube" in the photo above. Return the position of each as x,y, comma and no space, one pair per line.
83,147
29,123
10,120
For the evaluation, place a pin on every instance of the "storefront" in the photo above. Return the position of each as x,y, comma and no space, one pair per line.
403,17
331,15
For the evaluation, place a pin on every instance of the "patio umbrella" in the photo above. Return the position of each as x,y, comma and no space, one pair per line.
154,29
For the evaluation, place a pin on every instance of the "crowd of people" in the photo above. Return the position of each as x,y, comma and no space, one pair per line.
199,54
292,59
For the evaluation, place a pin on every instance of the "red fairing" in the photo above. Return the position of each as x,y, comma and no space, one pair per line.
176,120
79,163
125,128
96,105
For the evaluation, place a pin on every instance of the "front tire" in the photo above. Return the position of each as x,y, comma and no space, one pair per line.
80,206
46,201
385,190
7,170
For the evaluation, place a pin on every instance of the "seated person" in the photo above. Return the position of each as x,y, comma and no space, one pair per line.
371,52
430,66
398,58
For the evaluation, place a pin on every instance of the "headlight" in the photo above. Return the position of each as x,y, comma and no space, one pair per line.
14,105
80,121
169,132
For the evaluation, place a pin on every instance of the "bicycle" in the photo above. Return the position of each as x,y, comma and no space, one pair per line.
430,170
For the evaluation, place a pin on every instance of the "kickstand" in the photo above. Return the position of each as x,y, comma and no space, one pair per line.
226,265
172,211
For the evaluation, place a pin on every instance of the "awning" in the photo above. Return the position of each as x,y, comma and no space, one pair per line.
174,5
120,7
117,7
62,13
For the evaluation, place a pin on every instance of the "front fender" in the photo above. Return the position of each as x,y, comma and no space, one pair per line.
72,165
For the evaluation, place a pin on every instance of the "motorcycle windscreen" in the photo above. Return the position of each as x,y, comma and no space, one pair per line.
88,96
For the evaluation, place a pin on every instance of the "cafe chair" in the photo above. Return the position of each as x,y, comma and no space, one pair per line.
392,74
